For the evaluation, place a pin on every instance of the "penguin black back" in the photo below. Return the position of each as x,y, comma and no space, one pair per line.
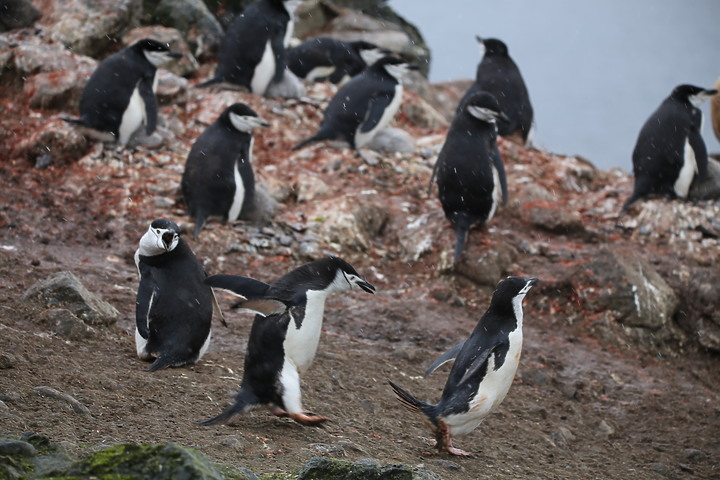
670,151
498,74
218,179
470,172
326,58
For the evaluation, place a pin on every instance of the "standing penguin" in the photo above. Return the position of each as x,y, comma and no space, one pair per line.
326,58
218,177
469,169
485,366
285,334
119,97
364,105
174,307
252,54
670,152
498,74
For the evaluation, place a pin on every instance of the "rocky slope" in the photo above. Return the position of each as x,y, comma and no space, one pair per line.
624,322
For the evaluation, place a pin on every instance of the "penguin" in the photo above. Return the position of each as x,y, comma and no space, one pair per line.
364,105
484,368
218,177
285,334
326,58
252,53
119,98
670,152
715,110
469,169
173,308
498,74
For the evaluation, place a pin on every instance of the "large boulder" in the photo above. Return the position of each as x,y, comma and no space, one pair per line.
193,18
709,188
17,14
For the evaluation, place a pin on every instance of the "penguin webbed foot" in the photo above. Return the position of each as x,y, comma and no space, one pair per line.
443,442
308,419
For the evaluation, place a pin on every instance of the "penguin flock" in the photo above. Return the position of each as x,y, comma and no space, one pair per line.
175,300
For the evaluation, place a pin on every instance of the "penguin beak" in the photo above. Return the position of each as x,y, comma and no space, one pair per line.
167,239
505,118
532,281
412,66
174,54
365,286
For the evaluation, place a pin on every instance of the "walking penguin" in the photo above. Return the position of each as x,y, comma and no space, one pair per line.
174,308
284,335
484,368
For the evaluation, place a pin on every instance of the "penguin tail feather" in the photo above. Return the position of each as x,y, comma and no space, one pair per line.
199,225
244,401
318,137
412,403
162,362
207,83
74,121
461,233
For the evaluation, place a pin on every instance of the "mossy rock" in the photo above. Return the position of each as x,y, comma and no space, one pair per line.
323,468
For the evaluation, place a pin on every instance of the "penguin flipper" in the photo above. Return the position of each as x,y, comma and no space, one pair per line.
263,306
318,137
377,107
151,110
476,364
500,167
237,285
448,356
461,233
143,300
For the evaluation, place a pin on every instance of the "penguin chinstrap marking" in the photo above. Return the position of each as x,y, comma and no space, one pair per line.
218,179
252,53
499,75
285,334
329,59
364,105
119,98
174,308
484,368
469,169
670,152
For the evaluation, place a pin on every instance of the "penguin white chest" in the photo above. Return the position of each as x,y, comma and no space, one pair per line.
133,117
687,171
239,196
264,71
301,343
363,138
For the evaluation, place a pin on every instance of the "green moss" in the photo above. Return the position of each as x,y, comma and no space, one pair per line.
323,468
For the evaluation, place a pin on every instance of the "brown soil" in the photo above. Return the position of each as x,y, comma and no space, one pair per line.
578,409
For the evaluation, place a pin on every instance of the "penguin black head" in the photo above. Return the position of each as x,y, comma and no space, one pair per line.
339,274
511,291
155,52
483,106
493,46
242,118
394,66
691,93
162,237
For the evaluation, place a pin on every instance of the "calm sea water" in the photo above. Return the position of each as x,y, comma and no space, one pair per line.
595,69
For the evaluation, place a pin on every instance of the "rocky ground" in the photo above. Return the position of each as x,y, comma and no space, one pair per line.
619,375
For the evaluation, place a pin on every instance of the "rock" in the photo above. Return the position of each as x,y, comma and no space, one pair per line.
694,455
92,28
322,468
68,325
393,140
16,447
709,188
172,89
290,86
350,223
50,392
449,465
65,290
634,294
604,429
487,267
183,66
422,114
59,89
53,142
17,14
198,25
328,449
556,220
418,236
7,360
31,56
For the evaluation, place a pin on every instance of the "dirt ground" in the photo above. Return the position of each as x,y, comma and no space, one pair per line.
579,409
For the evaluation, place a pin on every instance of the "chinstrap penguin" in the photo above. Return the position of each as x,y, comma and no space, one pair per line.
670,152
364,105
218,179
484,368
284,335
326,58
252,53
119,98
173,308
498,74
469,169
